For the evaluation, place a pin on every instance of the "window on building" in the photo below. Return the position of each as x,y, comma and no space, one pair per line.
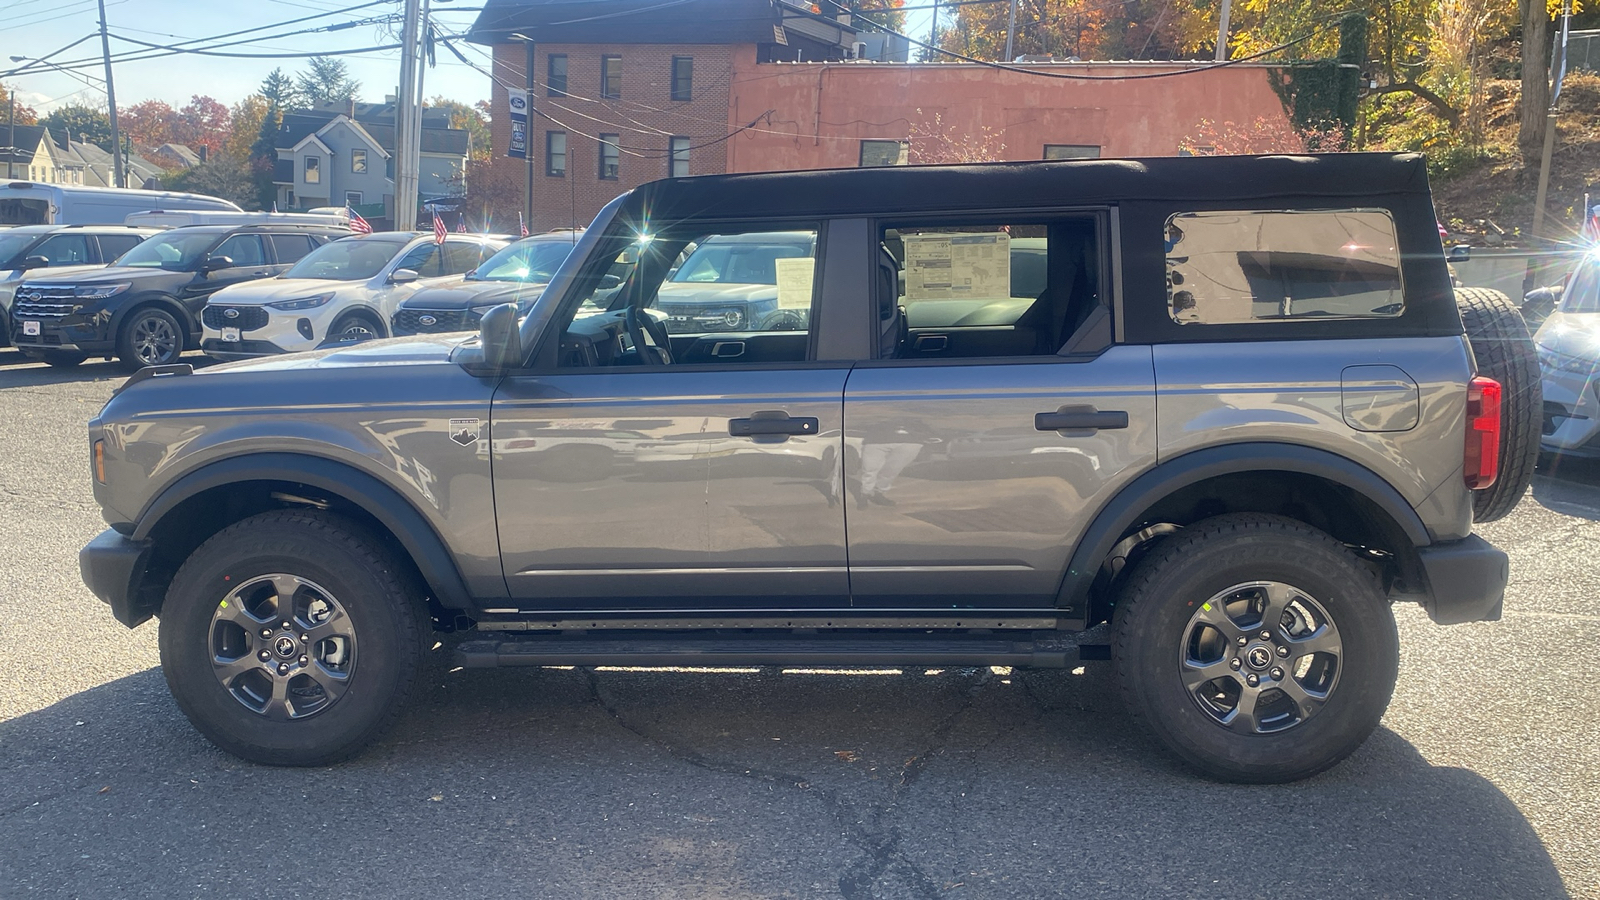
555,75
678,158
611,77
610,157
1025,288
358,162
1071,151
884,153
1258,265
555,154
352,198
683,78
312,168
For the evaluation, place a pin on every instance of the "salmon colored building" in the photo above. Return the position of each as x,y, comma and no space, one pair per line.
629,91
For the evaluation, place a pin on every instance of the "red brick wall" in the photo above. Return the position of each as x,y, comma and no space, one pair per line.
645,118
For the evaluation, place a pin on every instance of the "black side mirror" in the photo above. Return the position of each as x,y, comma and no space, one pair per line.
217,262
607,282
500,337
35,262
1460,253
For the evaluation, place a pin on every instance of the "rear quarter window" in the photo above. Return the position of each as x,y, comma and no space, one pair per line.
1238,267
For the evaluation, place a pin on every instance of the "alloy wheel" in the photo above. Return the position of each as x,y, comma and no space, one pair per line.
283,646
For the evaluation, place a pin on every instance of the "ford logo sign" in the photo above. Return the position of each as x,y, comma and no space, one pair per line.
230,314
35,297
428,320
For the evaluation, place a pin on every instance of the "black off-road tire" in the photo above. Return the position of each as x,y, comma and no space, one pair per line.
375,591
1166,590
1505,352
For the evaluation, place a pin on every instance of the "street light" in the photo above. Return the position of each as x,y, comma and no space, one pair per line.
90,80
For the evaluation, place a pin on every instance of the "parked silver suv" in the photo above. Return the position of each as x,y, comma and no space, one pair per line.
1221,434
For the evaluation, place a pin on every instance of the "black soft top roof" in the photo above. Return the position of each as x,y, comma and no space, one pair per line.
1055,183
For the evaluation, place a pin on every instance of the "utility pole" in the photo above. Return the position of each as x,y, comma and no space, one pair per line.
111,103
1222,31
11,139
406,157
1558,66
527,139
1011,27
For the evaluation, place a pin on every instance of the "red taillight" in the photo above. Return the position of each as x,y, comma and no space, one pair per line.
1482,457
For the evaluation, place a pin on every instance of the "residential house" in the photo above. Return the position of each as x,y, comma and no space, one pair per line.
179,155
28,153
91,165
345,157
629,91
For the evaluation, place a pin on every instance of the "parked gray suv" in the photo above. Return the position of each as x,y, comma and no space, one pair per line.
1236,418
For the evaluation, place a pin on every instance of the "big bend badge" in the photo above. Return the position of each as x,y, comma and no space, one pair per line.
464,431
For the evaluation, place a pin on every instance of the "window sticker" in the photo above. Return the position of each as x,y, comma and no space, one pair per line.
949,266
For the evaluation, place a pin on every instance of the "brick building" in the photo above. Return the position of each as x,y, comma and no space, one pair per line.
629,91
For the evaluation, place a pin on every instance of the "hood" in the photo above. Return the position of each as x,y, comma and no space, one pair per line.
1571,334
705,295
267,290
425,349
46,274
103,274
467,294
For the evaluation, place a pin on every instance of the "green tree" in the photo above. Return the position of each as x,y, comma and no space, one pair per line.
279,90
264,157
80,123
468,119
222,176
326,82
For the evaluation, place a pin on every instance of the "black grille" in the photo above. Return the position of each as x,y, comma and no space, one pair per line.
247,318
43,302
410,321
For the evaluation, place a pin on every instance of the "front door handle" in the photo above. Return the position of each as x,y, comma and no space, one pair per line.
1080,418
772,422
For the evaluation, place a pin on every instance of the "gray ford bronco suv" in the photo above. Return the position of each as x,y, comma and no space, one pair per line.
1231,417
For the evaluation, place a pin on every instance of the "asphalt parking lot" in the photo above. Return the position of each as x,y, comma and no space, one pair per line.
1484,780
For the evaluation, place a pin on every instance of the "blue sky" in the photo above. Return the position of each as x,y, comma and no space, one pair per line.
37,27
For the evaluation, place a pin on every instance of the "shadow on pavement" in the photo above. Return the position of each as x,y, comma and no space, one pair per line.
1568,485
568,783
17,370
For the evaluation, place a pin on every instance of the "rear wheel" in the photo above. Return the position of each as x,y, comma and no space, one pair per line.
150,336
1505,352
291,638
1256,648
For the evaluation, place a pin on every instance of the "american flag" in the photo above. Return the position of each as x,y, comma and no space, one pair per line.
521,225
358,224
461,224
438,229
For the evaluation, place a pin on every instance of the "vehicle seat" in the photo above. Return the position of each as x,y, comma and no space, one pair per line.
893,327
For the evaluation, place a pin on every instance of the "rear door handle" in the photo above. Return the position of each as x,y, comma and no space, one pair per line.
772,421
1080,418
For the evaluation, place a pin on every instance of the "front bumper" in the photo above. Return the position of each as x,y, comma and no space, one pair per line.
1466,580
1571,413
113,567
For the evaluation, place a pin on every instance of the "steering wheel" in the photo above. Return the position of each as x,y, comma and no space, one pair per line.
649,337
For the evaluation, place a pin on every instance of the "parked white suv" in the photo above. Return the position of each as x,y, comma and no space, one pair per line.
345,290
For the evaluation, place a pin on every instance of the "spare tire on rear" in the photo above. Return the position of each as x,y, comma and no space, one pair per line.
1505,352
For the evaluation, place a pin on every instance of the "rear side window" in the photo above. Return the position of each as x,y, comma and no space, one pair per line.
460,257
243,249
1227,268
114,245
290,247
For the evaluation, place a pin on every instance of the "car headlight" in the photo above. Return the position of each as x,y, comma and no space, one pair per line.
99,291
1562,362
301,303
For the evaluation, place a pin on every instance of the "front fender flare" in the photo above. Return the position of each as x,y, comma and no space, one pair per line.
419,539
1123,510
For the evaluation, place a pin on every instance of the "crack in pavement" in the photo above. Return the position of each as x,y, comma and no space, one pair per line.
879,843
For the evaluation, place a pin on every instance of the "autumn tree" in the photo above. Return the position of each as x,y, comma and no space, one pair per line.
202,122
325,82
80,123
220,176
148,123
25,115
244,126
470,120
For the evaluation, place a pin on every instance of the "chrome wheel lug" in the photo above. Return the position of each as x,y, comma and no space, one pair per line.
1243,641
286,626
263,656
304,638
1234,664
1283,651
1276,673
266,632
283,668
1266,635
303,662
1252,680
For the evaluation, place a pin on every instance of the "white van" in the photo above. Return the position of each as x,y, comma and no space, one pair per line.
32,203
169,218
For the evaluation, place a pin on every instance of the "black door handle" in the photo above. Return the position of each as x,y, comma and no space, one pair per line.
771,421
1080,418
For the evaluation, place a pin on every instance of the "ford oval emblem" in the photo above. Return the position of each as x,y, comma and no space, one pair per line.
427,320
35,297
230,314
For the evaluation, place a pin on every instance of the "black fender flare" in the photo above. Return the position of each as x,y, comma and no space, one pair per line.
421,542
1123,510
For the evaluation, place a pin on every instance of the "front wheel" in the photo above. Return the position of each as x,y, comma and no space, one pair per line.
150,337
291,638
1256,648
353,328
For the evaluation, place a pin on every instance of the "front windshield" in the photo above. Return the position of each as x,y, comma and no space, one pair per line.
347,260
1583,294
174,250
738,262
526,261
11,245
